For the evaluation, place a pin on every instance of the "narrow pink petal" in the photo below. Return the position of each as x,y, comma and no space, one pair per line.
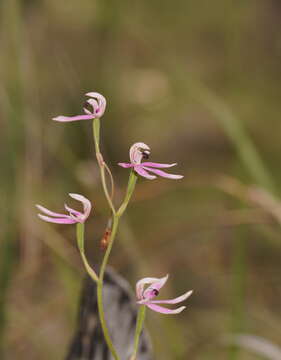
164,310
72,211
149,293
173,301
142,172
51,213
159,283
126,165
57,220
93,94
163,173
86,204
157,165
73,118
140,285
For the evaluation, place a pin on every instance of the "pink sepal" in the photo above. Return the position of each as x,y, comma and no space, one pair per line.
157,165
57,220
142,172
73,118
49,212
163,173
164,310
126,165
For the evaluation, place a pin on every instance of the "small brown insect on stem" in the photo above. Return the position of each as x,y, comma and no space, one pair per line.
105,239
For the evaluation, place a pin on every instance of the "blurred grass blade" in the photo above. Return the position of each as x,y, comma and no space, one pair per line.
236,132
257,345
13,144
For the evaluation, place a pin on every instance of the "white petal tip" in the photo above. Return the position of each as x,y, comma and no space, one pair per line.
73,195
181,309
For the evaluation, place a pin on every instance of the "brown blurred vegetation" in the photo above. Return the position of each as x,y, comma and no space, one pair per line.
199,82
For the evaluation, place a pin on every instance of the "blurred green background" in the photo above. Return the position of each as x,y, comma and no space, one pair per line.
199,82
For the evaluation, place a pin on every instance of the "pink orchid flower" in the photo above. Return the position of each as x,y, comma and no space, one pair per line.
139,151
146,296
93,108
74,215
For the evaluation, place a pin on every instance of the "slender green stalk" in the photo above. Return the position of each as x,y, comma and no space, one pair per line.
96,134
100,287
80,230
140,321
111,180
116,216
130,189
101,163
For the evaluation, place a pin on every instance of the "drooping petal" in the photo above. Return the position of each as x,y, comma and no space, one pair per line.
74,215
67,220
50,213
173,301
163,173
140,285
137,151
164,310
157,165
73,118
144,173
126,165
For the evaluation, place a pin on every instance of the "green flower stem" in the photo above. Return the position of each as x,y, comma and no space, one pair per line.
100,287
130,189
80,230
116,217
101,163
140,321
